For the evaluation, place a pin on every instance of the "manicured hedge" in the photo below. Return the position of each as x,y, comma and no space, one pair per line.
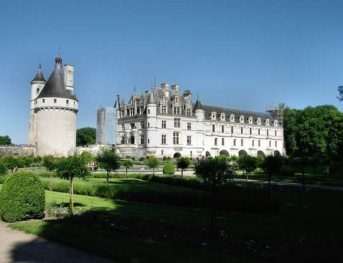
22,197
169,169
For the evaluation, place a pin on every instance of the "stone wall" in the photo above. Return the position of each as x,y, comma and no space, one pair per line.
18,150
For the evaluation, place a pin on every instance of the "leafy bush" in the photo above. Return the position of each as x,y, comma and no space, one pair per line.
142,159
22,197
168,169
3,168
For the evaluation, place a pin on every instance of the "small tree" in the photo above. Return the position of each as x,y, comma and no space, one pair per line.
127,164
70,167
271,165
340,92
247,163
108,161
183,163
50,163
153,163
11,162
87,156
27,161
214,172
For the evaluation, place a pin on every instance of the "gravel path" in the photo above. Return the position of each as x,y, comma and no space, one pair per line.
16,246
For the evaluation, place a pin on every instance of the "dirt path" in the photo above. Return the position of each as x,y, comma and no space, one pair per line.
16,246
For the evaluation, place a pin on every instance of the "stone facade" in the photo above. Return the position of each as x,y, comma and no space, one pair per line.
165,122
18,150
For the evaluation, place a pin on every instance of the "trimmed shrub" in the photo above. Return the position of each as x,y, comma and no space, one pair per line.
169,169
22,197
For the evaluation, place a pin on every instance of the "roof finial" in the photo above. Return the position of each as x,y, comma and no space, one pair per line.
59,52
197,95
134,88
155,83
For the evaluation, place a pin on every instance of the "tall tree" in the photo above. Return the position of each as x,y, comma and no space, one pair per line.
108,161
69,168
5,140
271,165
85,136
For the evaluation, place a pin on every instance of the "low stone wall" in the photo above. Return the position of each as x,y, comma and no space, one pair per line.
17,150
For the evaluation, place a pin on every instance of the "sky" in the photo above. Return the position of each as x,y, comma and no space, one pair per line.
244,54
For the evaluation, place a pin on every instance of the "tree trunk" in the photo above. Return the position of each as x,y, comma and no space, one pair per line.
213,212
181,172
107,179
50,181
71,201
126,170
247,175
153,171
303,179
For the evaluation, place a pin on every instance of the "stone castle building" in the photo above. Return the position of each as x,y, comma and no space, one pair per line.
165,122
54,106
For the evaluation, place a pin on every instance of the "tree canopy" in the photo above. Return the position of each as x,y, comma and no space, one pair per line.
340,92
5,140
85,136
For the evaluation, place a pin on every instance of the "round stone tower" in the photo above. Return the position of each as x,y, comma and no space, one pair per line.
55,110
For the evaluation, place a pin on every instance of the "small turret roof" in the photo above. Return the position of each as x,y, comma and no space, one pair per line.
55,86
151,99
198,105
39,76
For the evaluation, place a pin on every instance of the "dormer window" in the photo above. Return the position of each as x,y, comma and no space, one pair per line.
241,119
213,115
267,122
259,121
55,100
67,102
275,123
232,118
222,116
43,100
250,120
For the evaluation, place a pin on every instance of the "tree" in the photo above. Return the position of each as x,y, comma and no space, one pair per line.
214,172
340,92
247,163
5,140
50,163
153,163
3,168
271,165
127,164
301,163
68,168
183,163
27,161
11,162
85,136
87,156
108,161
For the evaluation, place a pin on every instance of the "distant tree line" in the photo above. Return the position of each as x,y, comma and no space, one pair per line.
5,140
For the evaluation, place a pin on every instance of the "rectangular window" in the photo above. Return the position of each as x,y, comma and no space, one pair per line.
242,143
270,143
176,138
242,130
132,125
234,142
267,132
232,129
67,102
213,128
223,129
142,124
123,127
177,123
275,143
164,109
223,141
189,126
250,131
259,143
259,132
275,133
43,100
188,112
148,124
189,140
122,140
215,141
142,139
164,124
55,100
164,139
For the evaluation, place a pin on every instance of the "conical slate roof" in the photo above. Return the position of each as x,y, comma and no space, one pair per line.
151,99
39,76
198,105
55,86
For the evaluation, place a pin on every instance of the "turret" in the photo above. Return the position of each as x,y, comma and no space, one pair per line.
37,85
198,110
151,111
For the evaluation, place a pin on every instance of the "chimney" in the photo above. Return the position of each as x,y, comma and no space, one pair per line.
69,77
175,88
164,86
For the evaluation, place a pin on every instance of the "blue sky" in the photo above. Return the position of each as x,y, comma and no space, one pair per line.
238,54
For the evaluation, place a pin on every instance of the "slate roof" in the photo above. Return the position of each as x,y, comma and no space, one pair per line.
238,113
55,86
39,76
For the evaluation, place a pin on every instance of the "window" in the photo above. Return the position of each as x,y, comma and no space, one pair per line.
132,139
164,124
242,130
148,124
259,132
122,140
241,119
177,110
188,112
55,100
176,138
275,132
164,139
267,132
123,127
222,116
223,129
43,100
213,128
162,152
189,140
37,91
177,123
232,129
67,102
142,139
270,143
253,143
234,142
148,140
215,141
164,109
191,154
189,126
223,141
242,142
259,121
250,131
148,111
142,124
232,118
267,122
259,143
275,143
132,125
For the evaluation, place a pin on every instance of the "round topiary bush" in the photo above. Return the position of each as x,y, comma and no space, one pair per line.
22,197
169,169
